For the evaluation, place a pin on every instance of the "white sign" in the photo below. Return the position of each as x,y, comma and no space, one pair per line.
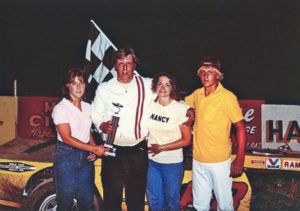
280,125
291,165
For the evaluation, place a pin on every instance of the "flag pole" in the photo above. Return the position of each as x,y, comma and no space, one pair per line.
15,88
104,35
16,108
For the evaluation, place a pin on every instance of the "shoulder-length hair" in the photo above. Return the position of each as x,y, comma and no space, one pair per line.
174,92
70,77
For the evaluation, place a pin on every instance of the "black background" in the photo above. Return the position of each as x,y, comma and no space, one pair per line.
258,42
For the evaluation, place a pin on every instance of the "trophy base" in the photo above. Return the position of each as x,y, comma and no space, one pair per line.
113,154
112,150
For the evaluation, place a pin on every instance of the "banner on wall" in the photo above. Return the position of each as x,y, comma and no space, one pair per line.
251,110
34,117
8,115
267,126
280,126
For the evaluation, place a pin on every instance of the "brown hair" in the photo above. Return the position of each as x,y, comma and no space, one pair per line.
174,93
70,77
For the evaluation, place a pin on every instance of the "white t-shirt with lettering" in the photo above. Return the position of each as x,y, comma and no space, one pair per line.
163,124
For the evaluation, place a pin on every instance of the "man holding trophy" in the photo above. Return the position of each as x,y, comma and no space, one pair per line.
125,98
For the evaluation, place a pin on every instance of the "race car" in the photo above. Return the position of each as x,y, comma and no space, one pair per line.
26,179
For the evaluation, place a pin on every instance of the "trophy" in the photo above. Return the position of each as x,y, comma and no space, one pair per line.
111,136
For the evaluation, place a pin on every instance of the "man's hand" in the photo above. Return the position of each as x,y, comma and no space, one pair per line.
237,167
106,127
91,157
238,164
190,113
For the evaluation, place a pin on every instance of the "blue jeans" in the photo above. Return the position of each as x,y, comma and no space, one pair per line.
74,178
163,186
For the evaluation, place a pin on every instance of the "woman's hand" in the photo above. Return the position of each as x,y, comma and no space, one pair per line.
99,150
155,149
91,157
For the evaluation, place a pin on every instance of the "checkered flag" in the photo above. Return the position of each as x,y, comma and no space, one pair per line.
99,65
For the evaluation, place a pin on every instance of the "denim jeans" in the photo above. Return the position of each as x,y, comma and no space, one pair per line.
163,186
74,178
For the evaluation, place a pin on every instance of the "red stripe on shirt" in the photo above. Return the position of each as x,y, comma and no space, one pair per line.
142,105
137,109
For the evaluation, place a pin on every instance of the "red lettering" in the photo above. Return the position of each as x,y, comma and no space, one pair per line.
286,164
275,133
292,131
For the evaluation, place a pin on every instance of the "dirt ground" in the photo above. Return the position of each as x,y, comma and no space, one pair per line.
4,208
274,190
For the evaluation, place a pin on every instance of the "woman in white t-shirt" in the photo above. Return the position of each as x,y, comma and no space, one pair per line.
167,136
76,150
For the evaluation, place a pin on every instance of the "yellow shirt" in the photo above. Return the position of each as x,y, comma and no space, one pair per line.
214,115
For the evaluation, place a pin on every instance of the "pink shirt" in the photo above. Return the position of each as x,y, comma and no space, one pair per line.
80,121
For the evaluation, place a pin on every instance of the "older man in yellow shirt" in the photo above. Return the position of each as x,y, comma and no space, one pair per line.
216,110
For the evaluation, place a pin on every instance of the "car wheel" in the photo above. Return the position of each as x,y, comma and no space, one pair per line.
43,199
48,203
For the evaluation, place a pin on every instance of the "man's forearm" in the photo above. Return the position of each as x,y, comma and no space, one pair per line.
241,140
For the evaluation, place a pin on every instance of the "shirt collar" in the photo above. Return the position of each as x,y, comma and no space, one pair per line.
218,89
68,102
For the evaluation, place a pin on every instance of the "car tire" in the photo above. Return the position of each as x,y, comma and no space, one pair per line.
44,199
41,199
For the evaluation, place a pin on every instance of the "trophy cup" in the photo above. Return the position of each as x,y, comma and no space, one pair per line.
111,136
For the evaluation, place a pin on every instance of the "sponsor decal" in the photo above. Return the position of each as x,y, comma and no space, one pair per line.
16,167
291,164
258,162
273,163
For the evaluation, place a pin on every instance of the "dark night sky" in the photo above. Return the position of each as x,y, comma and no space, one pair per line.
258,42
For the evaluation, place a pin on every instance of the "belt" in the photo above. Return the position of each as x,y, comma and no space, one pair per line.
140,146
